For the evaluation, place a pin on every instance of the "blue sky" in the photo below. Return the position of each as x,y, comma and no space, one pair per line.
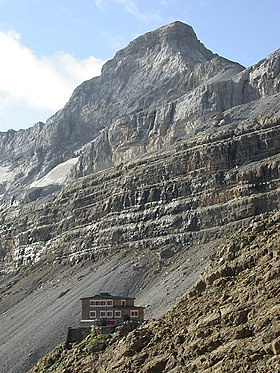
48,47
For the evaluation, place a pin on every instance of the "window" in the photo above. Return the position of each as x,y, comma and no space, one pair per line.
92,314
109,313
97,303
134,313
123,302
103,314
118,314
109,302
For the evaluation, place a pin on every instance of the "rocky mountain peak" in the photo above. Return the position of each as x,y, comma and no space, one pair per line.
159,89
173,38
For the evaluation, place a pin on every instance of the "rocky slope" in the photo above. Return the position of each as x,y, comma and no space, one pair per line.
229,321
171,173
145,228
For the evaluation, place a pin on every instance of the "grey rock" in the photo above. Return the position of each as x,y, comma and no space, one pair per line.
180,148
159,89
154,69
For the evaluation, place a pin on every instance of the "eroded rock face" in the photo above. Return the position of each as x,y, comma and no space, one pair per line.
173,168
266,75
157,90
167,201
229,321
145,228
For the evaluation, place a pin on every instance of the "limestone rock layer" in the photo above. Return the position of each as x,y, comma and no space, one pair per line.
130,188
158,90
229,321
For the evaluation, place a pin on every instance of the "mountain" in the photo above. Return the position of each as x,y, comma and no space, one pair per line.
157,90
133,185
227,322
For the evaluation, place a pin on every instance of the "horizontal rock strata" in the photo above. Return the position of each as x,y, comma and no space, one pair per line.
155,92
166,201
173,149
229,321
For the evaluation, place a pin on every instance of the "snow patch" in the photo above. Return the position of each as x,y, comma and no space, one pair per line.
58,175
5,174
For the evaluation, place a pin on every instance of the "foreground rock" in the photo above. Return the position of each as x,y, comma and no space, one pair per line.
229,321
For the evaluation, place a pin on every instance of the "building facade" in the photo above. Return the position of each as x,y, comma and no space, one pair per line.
105,309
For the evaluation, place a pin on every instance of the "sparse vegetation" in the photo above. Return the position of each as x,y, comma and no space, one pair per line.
82,355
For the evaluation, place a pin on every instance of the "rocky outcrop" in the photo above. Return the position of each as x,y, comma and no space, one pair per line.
265,76
229,321
28,155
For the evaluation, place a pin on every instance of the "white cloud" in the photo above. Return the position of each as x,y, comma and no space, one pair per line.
44,83
4,103
132,8
100,4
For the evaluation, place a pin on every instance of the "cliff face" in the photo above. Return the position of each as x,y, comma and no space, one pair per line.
156,91
163,202
180,148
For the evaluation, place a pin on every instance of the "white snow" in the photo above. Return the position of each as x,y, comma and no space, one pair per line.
5,174
58,175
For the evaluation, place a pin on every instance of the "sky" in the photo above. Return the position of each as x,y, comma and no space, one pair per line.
49,47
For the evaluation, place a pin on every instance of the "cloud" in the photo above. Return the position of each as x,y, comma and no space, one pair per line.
100,4
133,9
44,83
